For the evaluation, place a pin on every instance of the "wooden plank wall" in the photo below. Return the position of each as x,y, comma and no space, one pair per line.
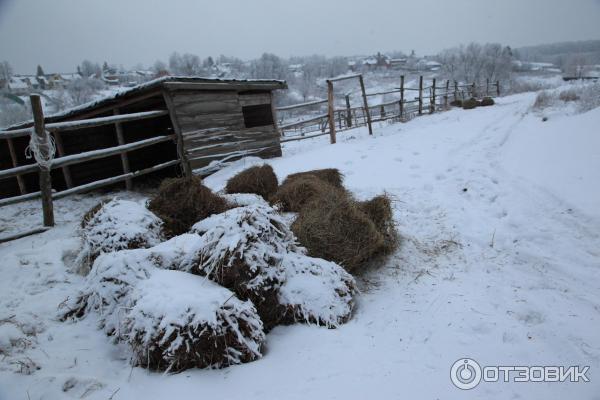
212,126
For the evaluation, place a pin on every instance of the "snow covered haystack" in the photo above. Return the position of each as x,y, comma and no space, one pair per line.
316,291
172,320
179,321
117,225
252,251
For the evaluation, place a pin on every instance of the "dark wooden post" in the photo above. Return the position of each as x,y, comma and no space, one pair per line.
432,100
366,104
45,179
348,112
474,91
487,86
330,99
420,94
61,152
185,164
446,94
13,157
498,88
382,111
455,90
124,158
401,97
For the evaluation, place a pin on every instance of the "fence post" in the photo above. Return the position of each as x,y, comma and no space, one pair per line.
366,104
420,94
45,179
498,88
474,91
330,112
124,157
401,97
446,94
455,90
487,86
432,100
348,112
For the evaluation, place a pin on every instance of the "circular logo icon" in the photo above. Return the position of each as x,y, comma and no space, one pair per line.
465,373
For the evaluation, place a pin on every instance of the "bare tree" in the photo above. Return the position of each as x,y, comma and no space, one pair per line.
475,62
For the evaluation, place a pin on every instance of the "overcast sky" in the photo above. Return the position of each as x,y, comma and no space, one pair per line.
59,34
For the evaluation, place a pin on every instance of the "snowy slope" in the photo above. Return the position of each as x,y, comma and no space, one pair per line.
500,262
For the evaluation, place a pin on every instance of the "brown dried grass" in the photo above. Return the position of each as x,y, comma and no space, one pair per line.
333,176
260,180
294,194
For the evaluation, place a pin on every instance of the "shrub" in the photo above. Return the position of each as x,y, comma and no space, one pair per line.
181,202
543,99
294,194
469,104
259,180
568,95
487,101
332,226
333,176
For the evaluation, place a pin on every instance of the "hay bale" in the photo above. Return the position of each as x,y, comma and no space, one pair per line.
260,180
316,291
242,250
181,202
294,194
116,225
456,103
486,101
379,210
332,226
332,176
469,104
179,321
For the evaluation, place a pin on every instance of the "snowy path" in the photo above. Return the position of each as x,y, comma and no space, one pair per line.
506,272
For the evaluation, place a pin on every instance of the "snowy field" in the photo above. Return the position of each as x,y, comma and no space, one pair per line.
500,261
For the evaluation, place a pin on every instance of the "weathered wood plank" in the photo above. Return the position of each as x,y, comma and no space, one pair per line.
20,235
13,157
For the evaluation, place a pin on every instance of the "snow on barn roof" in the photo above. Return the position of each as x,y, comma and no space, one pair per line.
265,84
17,82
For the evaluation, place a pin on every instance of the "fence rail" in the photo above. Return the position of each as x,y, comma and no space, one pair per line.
314,122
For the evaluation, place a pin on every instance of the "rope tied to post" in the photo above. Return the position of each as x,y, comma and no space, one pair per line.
43,151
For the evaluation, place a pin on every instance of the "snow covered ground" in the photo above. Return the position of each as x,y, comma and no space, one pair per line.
500,262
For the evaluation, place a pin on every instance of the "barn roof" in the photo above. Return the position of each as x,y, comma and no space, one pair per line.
172,82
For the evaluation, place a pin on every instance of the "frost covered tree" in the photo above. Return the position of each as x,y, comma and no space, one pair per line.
40,71
268,66
83,90
88,68
476,62
5,71
186,64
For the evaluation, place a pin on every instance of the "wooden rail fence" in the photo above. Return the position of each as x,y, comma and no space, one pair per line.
311,121
43,131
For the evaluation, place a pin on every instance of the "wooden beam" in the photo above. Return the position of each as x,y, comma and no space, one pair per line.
348,112
61,153
45,179
420,94
13,157
366,104
185,164
330,112
300,105
23,234
124,157
343,78
86,123
401,97
238,87
498,88
432,99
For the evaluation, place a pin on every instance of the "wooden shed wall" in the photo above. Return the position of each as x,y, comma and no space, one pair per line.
212,126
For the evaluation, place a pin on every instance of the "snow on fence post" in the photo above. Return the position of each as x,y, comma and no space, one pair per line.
366,104
432,100
401,97
421,95
348,112
42,139
330,112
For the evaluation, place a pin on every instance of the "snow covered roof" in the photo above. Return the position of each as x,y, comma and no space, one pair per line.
18,83
228,84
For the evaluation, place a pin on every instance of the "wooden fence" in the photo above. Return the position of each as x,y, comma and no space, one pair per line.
45,133
308,120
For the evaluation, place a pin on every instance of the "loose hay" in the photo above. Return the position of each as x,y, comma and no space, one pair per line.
456,103
316,291
243,249
294,194
181,202
379,210
334,227
116,225
180,321
487,101
470,104
260,180
330,175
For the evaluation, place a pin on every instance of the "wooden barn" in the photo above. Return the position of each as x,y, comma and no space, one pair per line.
166,127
